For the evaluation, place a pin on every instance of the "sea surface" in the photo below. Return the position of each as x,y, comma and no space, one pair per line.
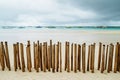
60,27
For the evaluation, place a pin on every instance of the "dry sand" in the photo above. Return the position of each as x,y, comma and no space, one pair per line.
89,37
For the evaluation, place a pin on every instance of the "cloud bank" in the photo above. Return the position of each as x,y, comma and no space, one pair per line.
59,12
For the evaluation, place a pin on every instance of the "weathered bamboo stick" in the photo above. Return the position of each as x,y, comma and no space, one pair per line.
116,58
93,57
53,58
22,57
75,58
37,57
34,51
41,66
99,55
83,56
44,57
106,57
18,56
65,56
57,57
118,61
15,57
3,57
112,51
110,59
51,53
38,53
68,61
89,52
7,55
72,57
60,58
48,56
103,59
28,59
79,57
29,50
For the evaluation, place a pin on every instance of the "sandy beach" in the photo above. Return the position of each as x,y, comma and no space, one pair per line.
73,36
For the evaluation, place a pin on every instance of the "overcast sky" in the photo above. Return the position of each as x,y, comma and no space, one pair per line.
59,12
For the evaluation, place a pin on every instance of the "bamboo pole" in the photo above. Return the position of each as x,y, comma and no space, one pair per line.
28,59
29,50
110,59
51,53
41,57
7,55
83,57
3,57
111,56
37,57
60,58
75,58
49,63
93,57
79,57
53,58
15,57
99,55
44,57
34,51
57,65
68,61
72,57
103,59
116,59
22,57
89,52
18,56
106,57
65,56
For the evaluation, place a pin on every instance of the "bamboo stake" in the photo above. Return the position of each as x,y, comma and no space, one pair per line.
72,57
103,56
49,63
60,58
3,56
18,56
41,57
34,55
51,53
28,59
7,55
29,50
93,57
79,57
46,58
37,57
99,55
57,59
68,62
116,59
22,57
83,57
106,57
89,52
75,58
112,57
65,56
15,57
53,58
